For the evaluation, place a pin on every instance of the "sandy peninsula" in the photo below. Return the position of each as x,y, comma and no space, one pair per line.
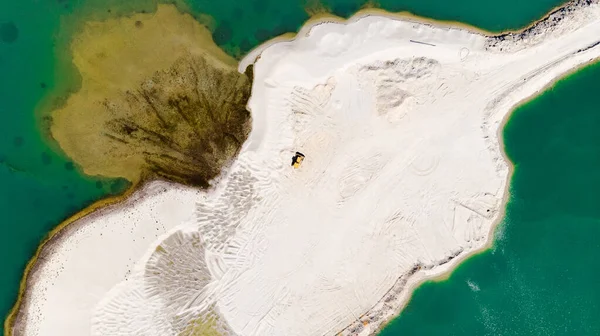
399,120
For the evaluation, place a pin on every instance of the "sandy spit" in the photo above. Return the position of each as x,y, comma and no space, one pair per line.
400,121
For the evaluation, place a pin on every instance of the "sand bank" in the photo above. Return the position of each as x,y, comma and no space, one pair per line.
403,178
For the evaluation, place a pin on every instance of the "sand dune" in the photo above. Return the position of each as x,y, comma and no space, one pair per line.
403,177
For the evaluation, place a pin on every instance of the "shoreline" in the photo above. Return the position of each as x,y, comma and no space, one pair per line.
324,18
57,98
98,206
138,193
34,263
444,275
52,100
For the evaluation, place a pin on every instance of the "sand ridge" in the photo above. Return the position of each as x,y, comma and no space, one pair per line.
403,178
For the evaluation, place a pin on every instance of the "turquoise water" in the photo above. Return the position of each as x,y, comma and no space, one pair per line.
242,25
541,277
41,188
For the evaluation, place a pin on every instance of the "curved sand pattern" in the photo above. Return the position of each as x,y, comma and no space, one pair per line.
403,178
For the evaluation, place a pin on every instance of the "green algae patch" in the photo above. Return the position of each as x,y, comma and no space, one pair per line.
208,324
202,327
158,99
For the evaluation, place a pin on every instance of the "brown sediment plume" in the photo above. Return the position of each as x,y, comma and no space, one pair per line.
158,99
315,8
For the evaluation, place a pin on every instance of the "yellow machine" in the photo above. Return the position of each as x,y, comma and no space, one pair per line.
297,160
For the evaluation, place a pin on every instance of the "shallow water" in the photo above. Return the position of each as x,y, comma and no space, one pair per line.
541,276
241,25
40,187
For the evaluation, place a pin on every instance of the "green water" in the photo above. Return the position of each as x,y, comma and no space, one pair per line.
243,24
541,277
40,188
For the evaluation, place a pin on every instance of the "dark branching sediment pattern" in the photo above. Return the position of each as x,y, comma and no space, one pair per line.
184,122
158,99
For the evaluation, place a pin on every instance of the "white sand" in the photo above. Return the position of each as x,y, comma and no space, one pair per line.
97,252
403,178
